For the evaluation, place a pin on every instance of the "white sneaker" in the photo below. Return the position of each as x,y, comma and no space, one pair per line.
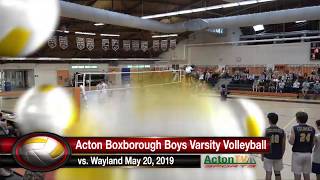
4,172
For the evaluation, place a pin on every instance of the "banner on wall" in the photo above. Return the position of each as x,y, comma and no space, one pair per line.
115,44
173,43
144,46
52,42
90,44
81,43
63,42
105,44
126,45
156,45
164,45
135,45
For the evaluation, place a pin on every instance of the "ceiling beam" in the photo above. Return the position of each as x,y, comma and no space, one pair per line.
136,5
164,2
188,5
91,3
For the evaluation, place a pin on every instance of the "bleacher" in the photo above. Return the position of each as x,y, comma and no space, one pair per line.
240,86
245,88
263,94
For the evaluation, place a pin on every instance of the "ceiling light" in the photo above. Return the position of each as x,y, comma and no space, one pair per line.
13,58
199,10
302,21
260,1
230,5
62,31
166,35
259,27
185,12
81,59
110,35
48,58
86,33
213,7
242,3
98,24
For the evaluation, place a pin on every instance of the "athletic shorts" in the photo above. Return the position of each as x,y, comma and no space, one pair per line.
315,168
301,163
275,164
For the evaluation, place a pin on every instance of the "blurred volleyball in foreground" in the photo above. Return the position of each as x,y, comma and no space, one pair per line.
45,108
26,25
255,120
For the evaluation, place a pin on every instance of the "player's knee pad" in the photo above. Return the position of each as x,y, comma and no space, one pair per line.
276,173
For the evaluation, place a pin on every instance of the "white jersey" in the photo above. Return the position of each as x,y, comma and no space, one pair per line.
99,86
316,150
82,88
83,92
189,69
176,75
104,86
201,77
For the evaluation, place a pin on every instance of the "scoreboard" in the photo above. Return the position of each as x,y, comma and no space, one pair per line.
315,51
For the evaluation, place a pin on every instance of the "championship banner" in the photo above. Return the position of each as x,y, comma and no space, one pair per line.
105,44
144,46
173,43
115,44
32,151
52,42
164,45
135,45
126,45
81,43
63,42
90,44
156,45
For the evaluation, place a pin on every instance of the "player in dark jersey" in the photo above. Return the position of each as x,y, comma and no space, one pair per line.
273,160
223,92
302,141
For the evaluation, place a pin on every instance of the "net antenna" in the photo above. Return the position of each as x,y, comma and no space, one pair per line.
127,80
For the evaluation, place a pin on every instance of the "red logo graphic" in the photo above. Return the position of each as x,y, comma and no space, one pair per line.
41,152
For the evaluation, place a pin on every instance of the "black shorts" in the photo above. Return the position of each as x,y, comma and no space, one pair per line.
315,168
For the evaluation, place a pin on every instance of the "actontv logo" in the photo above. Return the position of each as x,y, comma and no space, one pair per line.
228,161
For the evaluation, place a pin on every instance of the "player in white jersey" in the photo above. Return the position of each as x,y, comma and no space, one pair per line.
316,153
104,86
176,76
99,86
83,92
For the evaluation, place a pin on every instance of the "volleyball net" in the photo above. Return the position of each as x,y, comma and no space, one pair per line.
117,81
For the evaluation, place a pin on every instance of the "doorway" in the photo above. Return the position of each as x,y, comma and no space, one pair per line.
17,79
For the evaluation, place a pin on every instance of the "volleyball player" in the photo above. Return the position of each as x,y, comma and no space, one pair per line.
273,160
301,139
316,153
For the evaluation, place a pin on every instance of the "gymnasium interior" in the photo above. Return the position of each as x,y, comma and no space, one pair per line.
163,64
